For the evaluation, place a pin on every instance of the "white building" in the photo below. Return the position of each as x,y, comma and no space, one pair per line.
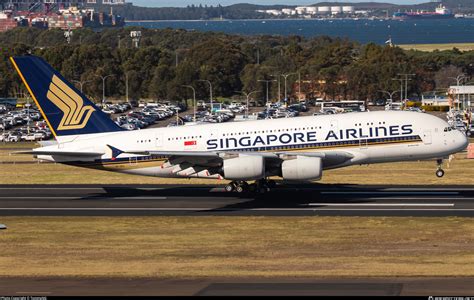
311,10
348,9
324,10
463,92
301,10
273,12
336,9
434,100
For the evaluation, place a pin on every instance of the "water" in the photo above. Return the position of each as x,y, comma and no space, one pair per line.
364,31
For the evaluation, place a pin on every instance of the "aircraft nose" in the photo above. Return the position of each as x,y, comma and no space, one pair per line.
461,141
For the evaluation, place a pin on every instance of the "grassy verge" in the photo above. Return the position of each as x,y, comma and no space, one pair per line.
22,145
460,171
440,47
198,247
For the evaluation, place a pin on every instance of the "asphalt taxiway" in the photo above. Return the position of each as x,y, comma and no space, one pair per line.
175,200
411,286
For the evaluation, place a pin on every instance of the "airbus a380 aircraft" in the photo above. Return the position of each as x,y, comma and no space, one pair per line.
294,149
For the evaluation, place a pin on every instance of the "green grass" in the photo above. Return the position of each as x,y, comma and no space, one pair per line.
22,145
198,247
460,171
440,47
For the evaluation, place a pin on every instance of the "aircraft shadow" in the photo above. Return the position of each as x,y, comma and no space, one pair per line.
289,196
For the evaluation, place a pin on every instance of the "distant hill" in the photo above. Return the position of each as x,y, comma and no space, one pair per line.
249,11
452,4
248,6
359,5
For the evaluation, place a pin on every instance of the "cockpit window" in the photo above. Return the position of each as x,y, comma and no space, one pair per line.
447,129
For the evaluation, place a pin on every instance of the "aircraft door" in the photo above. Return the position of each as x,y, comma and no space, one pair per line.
427,137
159,140
213,135
363,144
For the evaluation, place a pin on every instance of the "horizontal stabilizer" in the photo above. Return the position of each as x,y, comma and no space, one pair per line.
61,153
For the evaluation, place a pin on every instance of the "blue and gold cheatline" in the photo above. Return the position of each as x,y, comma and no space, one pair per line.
66,110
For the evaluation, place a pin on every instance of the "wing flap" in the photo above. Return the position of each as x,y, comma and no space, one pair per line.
330,158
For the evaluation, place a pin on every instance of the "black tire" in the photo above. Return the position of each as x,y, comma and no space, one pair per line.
229,188
439,173
271,184
239,189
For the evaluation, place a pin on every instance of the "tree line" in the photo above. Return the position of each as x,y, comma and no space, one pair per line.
191,12
167,59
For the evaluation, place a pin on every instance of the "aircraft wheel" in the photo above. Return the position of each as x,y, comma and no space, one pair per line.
239,189
230,187
271,183
439,173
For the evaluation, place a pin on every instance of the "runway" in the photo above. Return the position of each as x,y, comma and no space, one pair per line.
189,200
100,286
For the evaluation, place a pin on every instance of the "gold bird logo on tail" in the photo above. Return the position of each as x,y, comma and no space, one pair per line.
76,115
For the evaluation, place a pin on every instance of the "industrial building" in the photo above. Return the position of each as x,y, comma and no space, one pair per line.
63,14
303,11
49,4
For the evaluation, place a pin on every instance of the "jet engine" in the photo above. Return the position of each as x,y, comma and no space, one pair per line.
244,168
302,168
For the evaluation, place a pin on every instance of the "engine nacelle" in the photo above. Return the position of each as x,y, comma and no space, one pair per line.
302,168
244,168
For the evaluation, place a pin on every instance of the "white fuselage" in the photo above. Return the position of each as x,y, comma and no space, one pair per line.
370,137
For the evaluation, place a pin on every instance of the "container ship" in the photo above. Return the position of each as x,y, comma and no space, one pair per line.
441,12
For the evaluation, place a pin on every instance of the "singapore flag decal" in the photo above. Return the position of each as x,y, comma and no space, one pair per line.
190,143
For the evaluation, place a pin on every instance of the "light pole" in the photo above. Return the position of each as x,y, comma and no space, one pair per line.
194,100
299,86
390,94
401,87
279,86
210,88
267,82
81,83
286,91
177,55
126,87
103,85
458,79
247,95
406,83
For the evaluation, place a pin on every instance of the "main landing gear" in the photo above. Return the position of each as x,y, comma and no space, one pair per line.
260,186
237,186
440,171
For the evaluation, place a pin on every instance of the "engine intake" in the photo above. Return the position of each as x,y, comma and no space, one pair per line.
244,168
302,168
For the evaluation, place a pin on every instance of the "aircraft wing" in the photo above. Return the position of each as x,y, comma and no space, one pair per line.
329,158
205,154
214,158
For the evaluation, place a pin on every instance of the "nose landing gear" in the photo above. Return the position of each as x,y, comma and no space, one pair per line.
440,171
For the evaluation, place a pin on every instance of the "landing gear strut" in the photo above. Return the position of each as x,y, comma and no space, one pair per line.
264,185
260,186
237,186
440,171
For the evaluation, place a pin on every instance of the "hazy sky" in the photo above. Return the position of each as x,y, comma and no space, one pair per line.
177,3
